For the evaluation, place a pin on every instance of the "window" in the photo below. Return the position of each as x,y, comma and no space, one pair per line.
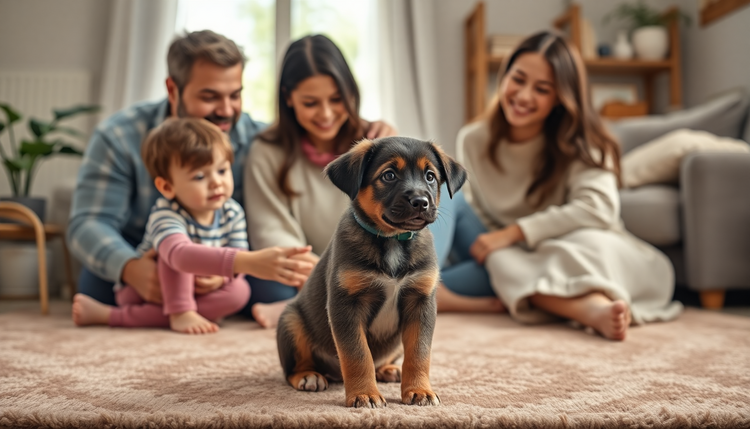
252,24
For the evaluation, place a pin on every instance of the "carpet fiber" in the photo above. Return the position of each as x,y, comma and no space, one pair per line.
488,370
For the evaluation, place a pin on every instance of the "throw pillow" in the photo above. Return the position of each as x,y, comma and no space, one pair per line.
658,161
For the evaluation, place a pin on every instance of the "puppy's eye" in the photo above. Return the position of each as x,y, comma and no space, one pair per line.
430,177
389,176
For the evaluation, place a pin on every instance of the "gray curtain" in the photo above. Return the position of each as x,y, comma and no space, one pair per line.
135,67
409,66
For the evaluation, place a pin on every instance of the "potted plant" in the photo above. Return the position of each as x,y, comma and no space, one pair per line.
21,160
650,38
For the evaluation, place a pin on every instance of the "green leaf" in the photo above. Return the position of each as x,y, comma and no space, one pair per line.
17,165
69,150
10,113
40,128
36,148
2,126
75,110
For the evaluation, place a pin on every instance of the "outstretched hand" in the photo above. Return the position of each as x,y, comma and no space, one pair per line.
276,263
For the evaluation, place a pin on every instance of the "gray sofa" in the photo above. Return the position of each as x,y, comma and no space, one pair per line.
703,224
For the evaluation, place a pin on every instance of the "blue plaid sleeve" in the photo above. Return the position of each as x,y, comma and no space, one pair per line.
100,209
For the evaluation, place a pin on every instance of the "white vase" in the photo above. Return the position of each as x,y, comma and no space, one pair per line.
651,42
622,49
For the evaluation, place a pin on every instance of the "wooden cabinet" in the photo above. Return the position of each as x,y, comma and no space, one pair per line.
479,64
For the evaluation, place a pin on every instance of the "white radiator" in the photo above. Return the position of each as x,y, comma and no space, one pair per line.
35,94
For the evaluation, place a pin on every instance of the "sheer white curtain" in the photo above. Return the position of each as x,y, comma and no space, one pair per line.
135,66
408,64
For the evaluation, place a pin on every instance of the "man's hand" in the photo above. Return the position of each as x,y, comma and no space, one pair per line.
206,284
490,241
379,129
142,275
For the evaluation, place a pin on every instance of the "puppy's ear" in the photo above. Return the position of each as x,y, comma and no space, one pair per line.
451,172
347,170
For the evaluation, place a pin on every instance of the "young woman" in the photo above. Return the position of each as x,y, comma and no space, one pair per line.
289,200
543,177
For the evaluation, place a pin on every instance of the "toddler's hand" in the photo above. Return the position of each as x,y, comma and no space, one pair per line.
206,284
276,263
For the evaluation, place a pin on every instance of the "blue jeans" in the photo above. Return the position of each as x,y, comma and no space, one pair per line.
454,232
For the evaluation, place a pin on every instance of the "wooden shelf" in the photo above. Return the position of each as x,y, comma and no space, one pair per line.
615,66
479,64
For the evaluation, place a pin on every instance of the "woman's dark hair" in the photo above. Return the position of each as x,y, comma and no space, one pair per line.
572,131
307,57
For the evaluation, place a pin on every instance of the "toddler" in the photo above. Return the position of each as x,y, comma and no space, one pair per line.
197,230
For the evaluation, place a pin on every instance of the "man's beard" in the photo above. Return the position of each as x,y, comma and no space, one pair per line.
213,118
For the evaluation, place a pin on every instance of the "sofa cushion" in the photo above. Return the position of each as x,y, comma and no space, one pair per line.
658,161
652,213
724,116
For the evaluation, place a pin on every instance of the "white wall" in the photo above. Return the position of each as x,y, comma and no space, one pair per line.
717,56
43,35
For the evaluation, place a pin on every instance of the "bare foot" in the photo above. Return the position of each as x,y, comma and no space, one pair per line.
448,301
267,315
190,322
88,311
611,320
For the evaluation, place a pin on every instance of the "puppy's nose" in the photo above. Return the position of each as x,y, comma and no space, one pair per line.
420,203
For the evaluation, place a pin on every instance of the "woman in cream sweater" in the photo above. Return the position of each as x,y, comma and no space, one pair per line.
289,199
543,178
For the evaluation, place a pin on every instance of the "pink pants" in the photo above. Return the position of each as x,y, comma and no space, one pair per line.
177,287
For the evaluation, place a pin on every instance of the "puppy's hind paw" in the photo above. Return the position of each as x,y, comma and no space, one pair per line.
388,373
420,397
310,381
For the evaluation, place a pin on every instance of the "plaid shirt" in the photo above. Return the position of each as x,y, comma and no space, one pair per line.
115,193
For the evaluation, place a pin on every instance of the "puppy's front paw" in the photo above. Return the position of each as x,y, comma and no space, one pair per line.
420,397
310,381
388,373
366,400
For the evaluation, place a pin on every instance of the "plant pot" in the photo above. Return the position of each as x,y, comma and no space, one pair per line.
37,205
651,42
19,270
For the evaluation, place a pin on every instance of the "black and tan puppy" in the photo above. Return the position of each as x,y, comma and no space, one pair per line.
371,298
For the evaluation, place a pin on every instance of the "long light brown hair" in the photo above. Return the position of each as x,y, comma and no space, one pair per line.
307,57
572,131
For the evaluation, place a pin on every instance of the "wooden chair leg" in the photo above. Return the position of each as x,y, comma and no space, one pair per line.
712,299
42,259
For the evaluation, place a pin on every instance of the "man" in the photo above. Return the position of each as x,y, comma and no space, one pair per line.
114,193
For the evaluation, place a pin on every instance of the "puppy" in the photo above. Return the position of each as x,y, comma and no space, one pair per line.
371,298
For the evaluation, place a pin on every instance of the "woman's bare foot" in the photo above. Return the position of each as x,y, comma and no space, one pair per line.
88,311
448,301
190,322
267,315
611,320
